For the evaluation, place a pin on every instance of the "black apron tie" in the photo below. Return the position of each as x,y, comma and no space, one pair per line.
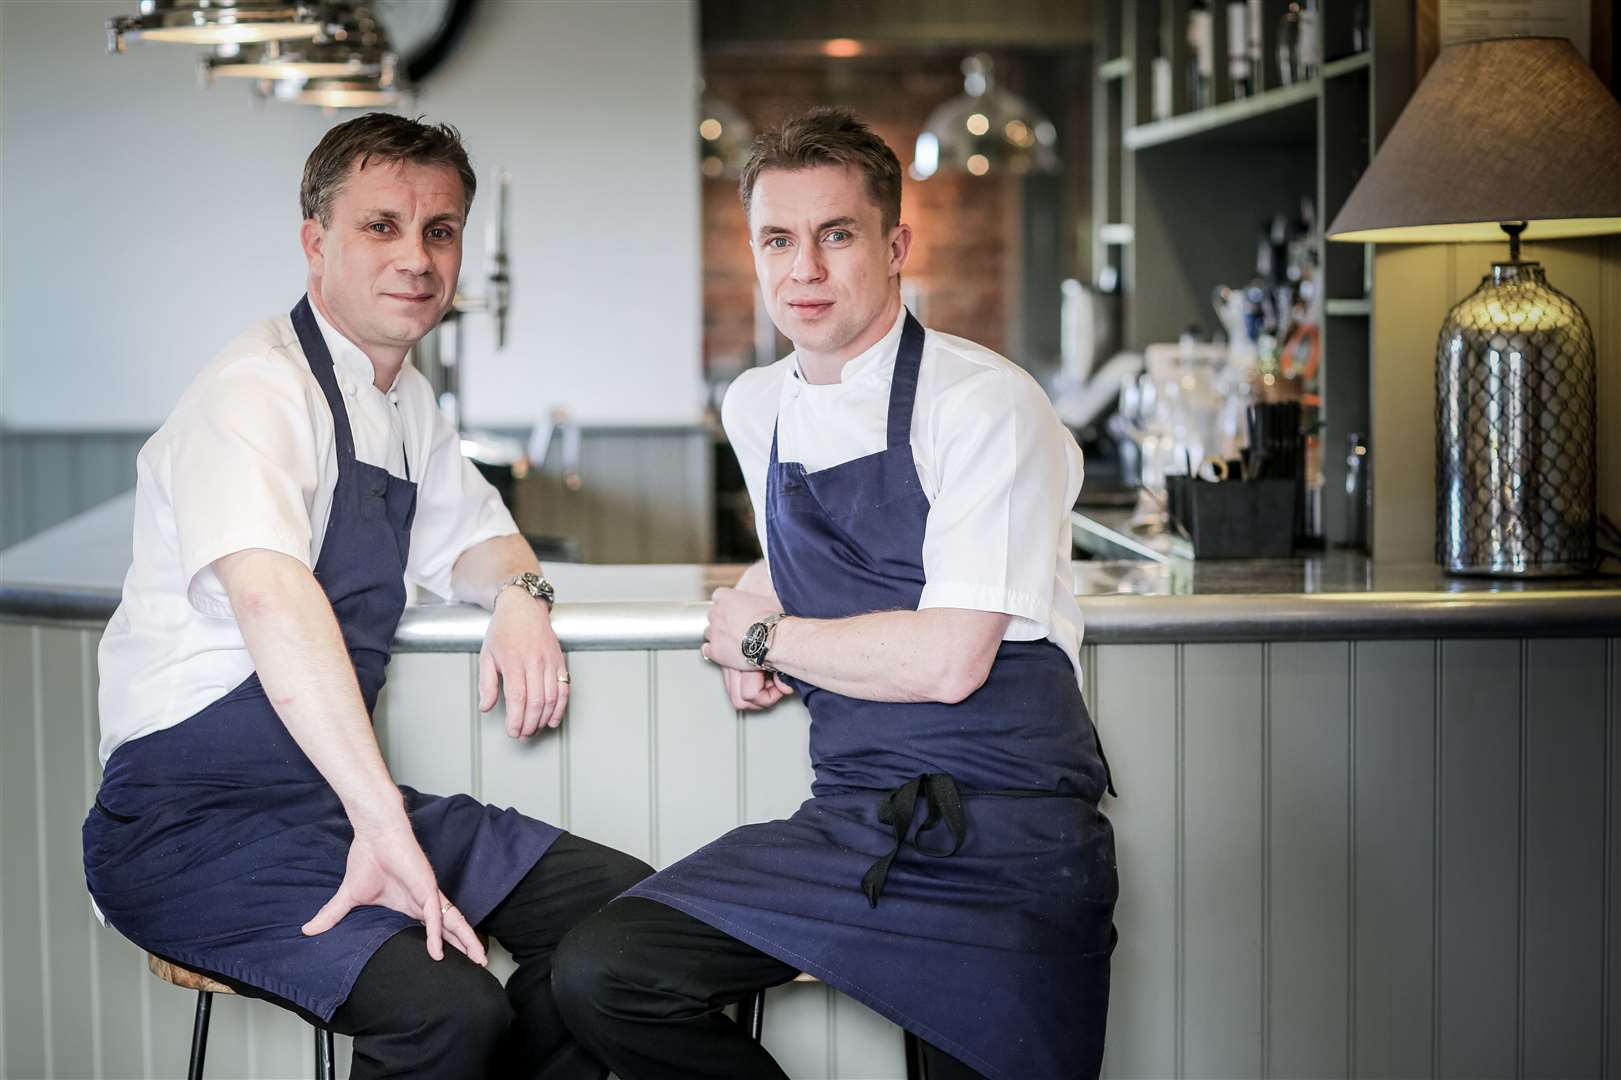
897,808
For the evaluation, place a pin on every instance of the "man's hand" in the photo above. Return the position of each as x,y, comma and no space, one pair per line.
521,651
730,616
750,690
731,613
386,867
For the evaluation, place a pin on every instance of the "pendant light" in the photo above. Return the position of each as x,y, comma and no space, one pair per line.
354,47
985,130
216,22
724,137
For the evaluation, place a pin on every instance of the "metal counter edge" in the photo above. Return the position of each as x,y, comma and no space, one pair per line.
1110,619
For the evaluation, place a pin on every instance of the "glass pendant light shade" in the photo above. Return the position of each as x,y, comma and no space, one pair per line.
985,130
215,22
354,47
378,91
346,94
724,137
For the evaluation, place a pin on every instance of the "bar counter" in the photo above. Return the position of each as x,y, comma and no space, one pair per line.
73,572
1368,821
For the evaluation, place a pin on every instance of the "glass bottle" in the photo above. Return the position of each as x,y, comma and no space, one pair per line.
1201,55
1297,42
1239,69
1160,106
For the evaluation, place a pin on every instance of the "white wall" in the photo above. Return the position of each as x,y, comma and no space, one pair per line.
144,221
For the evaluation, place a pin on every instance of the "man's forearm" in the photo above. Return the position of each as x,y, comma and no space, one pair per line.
481,569
757,579
939,654
300,657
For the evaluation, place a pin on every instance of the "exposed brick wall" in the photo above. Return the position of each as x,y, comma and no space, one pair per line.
964,250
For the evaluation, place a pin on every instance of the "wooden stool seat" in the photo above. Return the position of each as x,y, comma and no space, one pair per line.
184,978
172,973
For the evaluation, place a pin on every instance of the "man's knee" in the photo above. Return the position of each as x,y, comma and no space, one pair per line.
621,871
403,994
479,1012
602,968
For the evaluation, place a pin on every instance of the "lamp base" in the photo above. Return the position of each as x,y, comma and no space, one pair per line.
1516,425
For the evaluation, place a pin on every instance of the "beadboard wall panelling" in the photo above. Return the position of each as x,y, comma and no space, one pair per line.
1336,859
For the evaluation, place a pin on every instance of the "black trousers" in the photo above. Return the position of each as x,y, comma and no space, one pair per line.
412,1016
642,985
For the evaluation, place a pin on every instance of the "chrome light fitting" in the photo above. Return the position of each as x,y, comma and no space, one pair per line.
216,22
354,47
986,129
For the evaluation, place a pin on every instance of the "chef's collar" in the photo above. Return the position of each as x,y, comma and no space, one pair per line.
347,357
875,361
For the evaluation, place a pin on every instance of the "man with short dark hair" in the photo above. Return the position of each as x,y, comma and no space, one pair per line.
246,825
952,869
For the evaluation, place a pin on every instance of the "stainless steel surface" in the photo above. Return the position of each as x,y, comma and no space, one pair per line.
71,575
1126,534
1142,604
1516,430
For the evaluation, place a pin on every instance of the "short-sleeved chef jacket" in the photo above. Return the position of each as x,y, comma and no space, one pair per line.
999,468
247,460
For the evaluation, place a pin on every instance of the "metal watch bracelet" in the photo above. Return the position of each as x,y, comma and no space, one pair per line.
531,583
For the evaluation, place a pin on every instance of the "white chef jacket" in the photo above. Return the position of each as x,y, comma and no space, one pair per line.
1000,470
248,460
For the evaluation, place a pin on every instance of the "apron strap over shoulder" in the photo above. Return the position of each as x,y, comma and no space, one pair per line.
903,384
897,808
319,358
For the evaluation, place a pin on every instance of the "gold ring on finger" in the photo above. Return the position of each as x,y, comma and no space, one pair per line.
564,679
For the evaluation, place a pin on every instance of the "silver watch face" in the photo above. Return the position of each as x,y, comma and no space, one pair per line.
754,643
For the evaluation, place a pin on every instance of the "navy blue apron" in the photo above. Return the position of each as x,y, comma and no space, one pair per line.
951,869
214,841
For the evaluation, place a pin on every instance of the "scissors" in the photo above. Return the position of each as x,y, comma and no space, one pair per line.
1213,469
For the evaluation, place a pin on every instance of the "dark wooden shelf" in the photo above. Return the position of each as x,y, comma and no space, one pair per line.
1347,64
1285,115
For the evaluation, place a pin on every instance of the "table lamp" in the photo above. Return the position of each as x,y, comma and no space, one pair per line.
1515,136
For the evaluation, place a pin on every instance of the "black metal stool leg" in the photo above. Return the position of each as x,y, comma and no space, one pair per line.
916,1068
325,1062
752,1009
199,1035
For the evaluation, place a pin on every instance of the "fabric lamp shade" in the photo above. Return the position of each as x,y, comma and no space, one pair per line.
1509,129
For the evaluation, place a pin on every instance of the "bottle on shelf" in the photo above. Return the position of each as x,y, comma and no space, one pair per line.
1297,42
1160,104
1201,55
1244,46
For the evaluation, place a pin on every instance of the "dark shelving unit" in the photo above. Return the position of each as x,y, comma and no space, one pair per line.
1178,201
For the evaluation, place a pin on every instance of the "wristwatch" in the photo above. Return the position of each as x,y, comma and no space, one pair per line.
531,583
757,641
